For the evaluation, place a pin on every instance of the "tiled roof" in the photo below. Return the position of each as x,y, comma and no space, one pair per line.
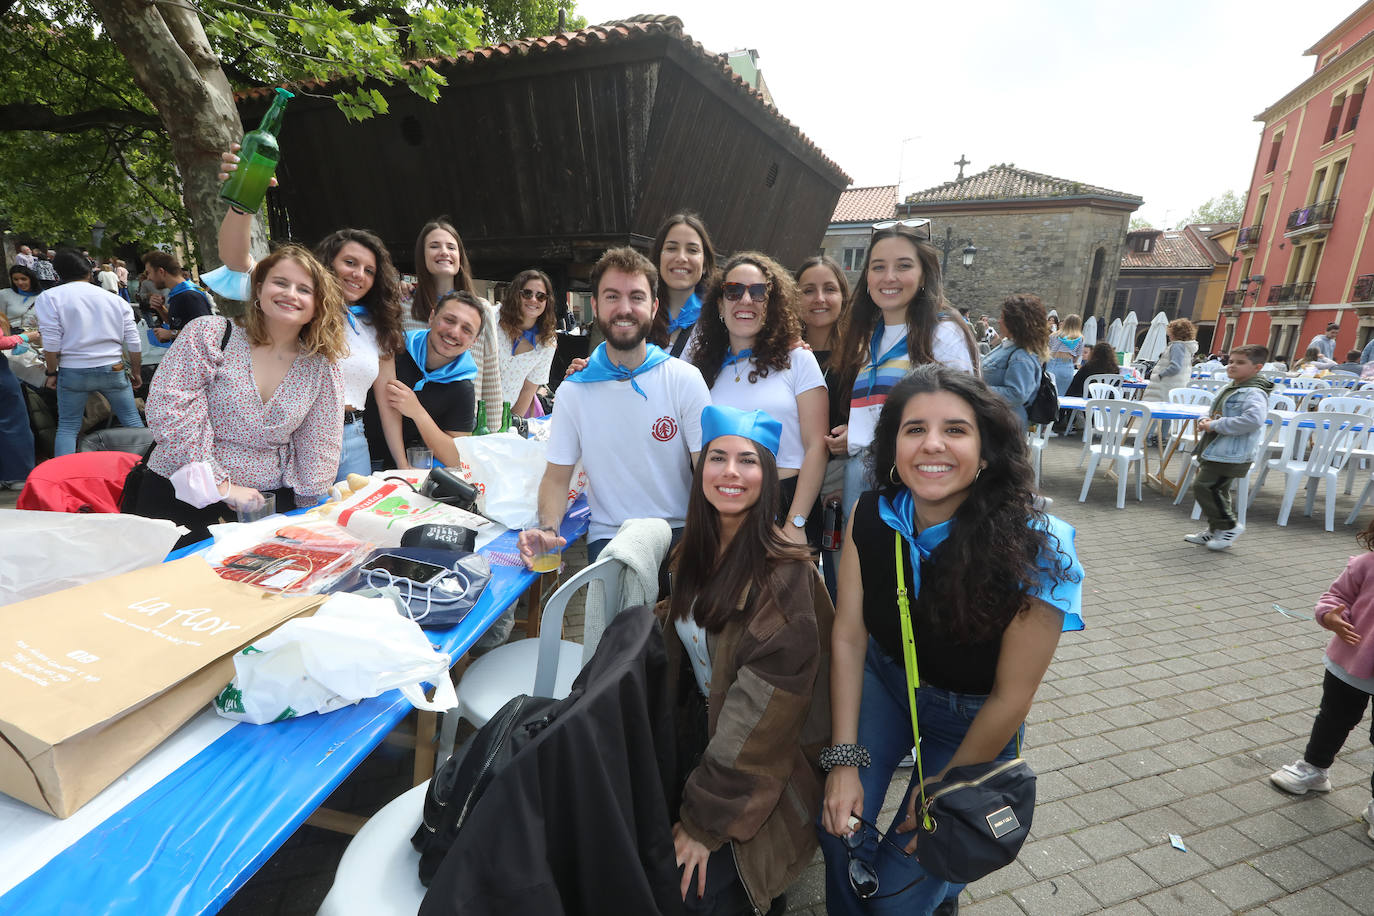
866,205
1174,249
1204,234
1006,182
633,28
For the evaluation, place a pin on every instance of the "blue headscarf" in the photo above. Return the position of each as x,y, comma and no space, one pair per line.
754,425
1065,595
601,369
458,370
687,316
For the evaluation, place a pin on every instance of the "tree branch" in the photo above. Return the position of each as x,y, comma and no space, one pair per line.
26,116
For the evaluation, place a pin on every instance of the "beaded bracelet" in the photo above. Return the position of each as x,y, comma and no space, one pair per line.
844,755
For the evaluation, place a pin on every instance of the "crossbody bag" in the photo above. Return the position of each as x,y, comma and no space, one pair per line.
974,820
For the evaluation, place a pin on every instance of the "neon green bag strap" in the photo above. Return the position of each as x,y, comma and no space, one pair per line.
913,674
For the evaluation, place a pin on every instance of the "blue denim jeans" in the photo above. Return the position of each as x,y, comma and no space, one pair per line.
855,482
885,729
355,458
74,386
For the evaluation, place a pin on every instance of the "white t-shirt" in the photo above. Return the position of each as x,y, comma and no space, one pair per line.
775,394
532,365
359,367
950,346
636,452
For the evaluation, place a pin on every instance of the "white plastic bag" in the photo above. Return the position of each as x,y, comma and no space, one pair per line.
352,649
45,552
507,469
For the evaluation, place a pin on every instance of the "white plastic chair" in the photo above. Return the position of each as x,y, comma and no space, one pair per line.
1123,444
1036,438
1244,495
379,874
1280,401
1304,383
1185,439
541,667
1365,386
1210,385
1330,441
1105,378
1098,391
1360,449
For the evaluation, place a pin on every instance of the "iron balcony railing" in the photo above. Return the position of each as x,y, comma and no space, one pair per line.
1292,292
1312,215
1250,235
1230,298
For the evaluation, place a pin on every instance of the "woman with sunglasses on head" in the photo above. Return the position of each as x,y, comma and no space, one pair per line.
370,288
899,320
253,405
992,582
526,337
686,262
748,348
441,265
747,630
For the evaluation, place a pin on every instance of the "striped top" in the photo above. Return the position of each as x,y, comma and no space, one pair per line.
1073,346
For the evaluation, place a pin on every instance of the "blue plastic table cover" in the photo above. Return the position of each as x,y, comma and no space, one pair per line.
190,842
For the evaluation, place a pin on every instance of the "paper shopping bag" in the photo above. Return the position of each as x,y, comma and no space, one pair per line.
93,678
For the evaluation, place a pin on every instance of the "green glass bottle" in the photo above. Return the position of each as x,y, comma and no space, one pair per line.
480,429
505,417
258,159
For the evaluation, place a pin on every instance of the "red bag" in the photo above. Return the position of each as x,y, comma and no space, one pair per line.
83,482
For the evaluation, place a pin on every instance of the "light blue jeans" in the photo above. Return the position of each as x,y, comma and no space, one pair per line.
355,458
74,386
885,729
856,481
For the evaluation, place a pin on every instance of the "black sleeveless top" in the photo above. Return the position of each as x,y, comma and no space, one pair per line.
960,667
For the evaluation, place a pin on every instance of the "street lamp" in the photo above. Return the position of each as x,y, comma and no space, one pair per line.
950,244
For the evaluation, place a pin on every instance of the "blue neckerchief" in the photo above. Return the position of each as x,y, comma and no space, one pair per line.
731,357
458,370
182,287
600,368
875,360
532,335
900,516
355,312
691,310
1065,596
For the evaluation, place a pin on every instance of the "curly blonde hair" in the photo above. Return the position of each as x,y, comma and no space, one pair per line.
781,325
324,332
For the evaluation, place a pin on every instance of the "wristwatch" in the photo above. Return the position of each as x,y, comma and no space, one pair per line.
50,372
798,521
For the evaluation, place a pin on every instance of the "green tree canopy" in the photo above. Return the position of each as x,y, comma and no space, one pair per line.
1227,208
114,111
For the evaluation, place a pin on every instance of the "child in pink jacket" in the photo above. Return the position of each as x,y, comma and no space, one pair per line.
1347,610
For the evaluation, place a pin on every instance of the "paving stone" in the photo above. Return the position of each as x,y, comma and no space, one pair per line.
1001,881
993,906
1115,881
1271,830
1051,857
1222,845
1062,896
1208,810
1317,901
1168,865
1107,841
1099,774
1101,806
1291,868
1186,899
1240,886
1356,887
1055,818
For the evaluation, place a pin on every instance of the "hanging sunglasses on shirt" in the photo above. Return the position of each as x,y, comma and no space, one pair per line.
863,877
919,224
734,292
538,295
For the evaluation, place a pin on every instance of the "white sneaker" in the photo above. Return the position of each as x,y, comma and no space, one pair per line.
1369,819
1225,538
1202,537
1302,777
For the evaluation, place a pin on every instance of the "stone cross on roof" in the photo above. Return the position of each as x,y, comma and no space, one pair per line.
961,162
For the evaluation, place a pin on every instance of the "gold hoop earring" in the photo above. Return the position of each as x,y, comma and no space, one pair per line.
892,476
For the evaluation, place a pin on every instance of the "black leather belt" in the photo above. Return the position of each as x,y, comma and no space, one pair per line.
351,416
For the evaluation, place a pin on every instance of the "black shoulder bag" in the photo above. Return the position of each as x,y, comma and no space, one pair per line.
975,820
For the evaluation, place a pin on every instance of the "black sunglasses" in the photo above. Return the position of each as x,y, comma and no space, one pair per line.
734,292
919,224
863,877
538,295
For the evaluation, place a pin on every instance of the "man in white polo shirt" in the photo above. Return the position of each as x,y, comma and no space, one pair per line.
632,417
86,333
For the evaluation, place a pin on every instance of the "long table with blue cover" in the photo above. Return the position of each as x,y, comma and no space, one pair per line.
190,842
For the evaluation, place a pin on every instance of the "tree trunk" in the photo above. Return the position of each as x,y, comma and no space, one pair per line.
175,66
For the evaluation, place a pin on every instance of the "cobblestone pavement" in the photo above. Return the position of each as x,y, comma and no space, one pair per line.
1165,715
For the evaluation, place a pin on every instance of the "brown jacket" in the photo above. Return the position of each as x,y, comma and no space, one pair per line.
758,785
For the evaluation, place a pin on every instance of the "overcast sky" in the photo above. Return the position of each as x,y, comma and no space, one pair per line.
1155,97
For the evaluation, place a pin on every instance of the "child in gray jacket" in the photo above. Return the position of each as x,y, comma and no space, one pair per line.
1230,435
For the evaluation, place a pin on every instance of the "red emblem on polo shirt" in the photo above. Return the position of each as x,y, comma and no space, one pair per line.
665,428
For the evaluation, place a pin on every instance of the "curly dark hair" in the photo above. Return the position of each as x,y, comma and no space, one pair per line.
659,334
706,583
781,326
512,320
1027,324
925,311
383,300
979,577
1102,359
